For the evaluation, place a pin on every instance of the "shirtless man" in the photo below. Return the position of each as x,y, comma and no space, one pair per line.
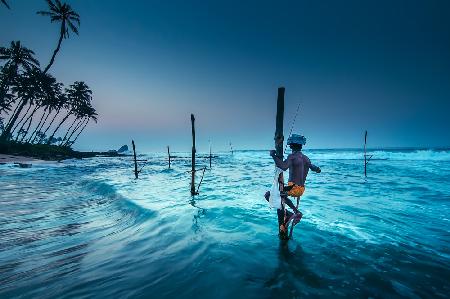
299,166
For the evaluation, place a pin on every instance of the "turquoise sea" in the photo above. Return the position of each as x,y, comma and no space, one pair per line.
88,229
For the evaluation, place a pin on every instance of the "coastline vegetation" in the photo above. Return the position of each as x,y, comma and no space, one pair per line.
39,116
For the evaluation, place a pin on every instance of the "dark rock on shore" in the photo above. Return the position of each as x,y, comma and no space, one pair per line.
123,148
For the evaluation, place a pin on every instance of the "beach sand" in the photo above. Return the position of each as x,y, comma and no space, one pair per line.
6,159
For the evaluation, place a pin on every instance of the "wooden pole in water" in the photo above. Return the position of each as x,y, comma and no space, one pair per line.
193,192
210,155
279,139
135,161
168,153
365,155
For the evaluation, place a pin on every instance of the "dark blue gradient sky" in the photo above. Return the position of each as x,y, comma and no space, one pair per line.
383,66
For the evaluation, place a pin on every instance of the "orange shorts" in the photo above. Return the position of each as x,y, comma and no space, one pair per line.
296,191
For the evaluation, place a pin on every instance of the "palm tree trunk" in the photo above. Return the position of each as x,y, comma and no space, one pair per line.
80,132
23,117
38,125
74,130
53,119
61,36
30,116
64,139
42,125
28,128
14,112
7,131
59,125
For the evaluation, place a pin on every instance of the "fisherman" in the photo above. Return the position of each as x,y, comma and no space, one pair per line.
298,165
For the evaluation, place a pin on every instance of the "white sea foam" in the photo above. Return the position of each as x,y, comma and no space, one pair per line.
422,155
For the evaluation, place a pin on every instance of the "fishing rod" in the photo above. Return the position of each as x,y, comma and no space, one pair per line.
292,126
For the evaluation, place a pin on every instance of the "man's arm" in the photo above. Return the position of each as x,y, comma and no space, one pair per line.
284,165
313,167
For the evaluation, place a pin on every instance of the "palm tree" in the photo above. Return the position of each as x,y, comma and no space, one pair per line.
17,56
6,4
26,88
5,99
78,94
51,91
5,95
81,95
90,114
61,102
34,86
79,116
69,20
82,113
45,98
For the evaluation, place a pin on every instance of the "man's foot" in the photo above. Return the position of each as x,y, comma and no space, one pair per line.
295,221
289,217
297,218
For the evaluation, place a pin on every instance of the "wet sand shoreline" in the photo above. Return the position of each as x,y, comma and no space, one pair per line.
11,159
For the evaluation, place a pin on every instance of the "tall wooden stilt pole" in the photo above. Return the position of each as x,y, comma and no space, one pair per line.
135,161
365,155
210,155
168,153
193,192
279,139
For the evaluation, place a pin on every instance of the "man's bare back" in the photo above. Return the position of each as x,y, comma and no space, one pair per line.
298,165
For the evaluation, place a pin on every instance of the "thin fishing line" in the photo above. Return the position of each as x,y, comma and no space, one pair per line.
292,125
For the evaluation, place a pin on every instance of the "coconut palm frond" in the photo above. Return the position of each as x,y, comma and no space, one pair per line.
18,56
5,4
74,29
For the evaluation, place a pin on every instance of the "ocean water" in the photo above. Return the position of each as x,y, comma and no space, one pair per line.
88,229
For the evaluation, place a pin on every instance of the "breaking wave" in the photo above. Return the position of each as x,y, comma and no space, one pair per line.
400,155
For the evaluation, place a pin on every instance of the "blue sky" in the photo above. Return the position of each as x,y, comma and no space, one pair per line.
383,66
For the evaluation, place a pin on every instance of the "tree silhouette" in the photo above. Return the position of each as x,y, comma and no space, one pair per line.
6,4
91,116
46,99
78,94
26,91
28,88
6,97
17,56
60,100
25,88
61,12
87,113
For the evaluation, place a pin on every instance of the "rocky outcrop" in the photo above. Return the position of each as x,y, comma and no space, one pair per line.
123,148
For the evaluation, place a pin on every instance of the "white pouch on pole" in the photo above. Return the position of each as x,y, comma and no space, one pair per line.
275,197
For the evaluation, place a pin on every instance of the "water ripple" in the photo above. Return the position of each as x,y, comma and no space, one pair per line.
87,228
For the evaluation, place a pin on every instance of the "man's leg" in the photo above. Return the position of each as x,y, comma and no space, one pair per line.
288,201
294,217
